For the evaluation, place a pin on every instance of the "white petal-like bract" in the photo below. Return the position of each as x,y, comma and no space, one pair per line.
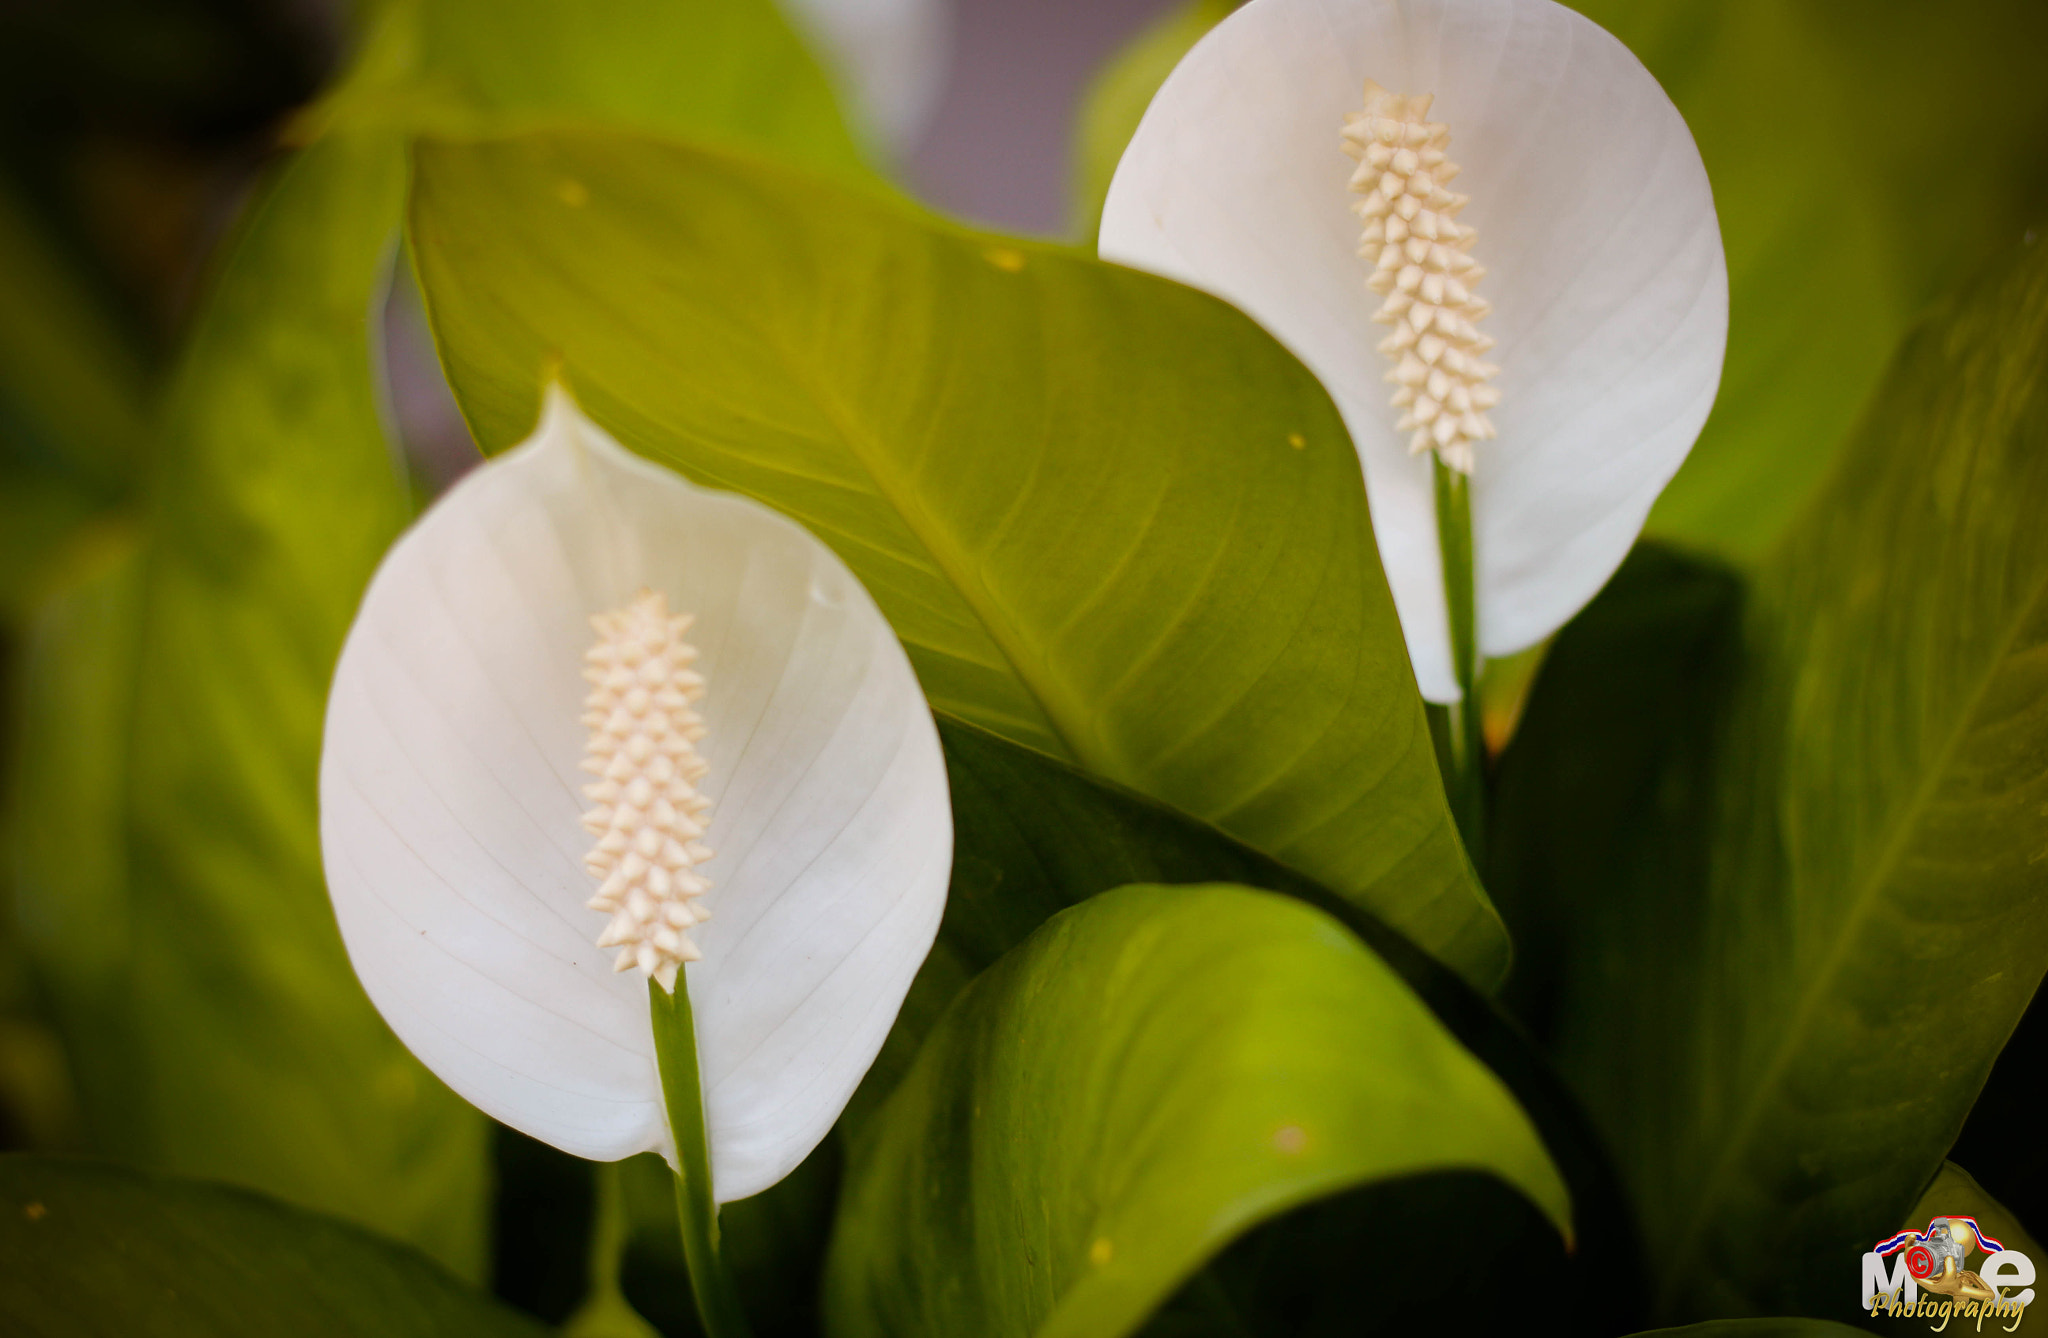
450,798
1603,263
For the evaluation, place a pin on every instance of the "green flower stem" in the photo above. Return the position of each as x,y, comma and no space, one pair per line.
1461,739
675,1049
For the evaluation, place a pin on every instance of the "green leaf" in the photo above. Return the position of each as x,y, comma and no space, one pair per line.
1149,1075
1810,951
72,375
1034,836
173,879
96,1249
172,891
1956,1193
72,389
1116,99
1109,517
732,71
1598,800
1801,110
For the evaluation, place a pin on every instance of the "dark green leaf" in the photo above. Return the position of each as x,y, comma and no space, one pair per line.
90,1249
1955,1192
1109,517
1804,110
171,884
1149,1075
1826,908
2001,1138
731,71
72,388
173,877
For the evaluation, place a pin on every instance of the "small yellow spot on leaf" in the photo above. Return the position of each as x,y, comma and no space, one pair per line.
35,1212
1004,259
1290,1139
1101,1252
1297,441
572,192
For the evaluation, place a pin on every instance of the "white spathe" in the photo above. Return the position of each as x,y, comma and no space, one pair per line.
890,56
450,806
1596,226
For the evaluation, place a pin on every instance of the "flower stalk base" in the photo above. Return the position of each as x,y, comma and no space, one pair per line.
675,1049
1458,727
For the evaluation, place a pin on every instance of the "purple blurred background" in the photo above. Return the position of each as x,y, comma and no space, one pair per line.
998,151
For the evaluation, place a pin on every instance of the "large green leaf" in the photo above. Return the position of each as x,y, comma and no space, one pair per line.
729,70
1831,915
1108,516
72,388
177,903
172,889
1150,1074
1955,1192
72,374
2000,1139
1804,110
87,1248
1034,836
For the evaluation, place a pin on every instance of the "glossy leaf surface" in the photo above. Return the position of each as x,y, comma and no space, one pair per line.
1151,1073
72,386
1798,111
203,891
88,1248
1150,553
1834,916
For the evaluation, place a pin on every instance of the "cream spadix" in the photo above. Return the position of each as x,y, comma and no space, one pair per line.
453,804
1605,301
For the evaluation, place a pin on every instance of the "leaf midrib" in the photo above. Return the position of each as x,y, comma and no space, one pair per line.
950,563
1792,1036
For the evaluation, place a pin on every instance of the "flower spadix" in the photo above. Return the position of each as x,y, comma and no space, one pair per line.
1298,163
594,725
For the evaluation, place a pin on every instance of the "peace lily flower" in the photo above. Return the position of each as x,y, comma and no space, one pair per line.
594,726
1548,335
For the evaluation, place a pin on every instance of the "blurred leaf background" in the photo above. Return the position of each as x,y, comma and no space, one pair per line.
1803,727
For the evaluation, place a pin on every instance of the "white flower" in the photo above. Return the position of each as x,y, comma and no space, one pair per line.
1592,224
453,802
892,57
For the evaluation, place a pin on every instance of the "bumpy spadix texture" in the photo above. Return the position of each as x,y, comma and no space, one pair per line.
451,784
1596,227
1423,267
649,814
